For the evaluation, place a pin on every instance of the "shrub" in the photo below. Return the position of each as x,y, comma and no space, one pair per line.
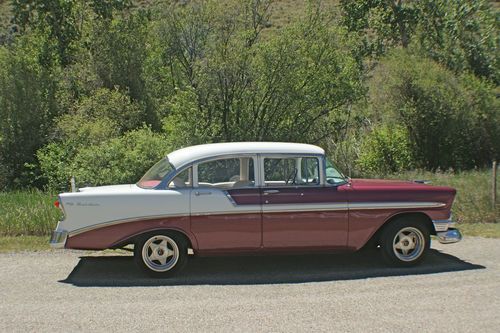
385,150
28,105
104,111
119,160
452,121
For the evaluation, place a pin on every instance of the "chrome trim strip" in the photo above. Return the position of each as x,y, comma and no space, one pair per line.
394,205
274,208
115,222
230,198
247,211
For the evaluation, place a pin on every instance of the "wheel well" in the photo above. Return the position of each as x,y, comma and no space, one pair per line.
135,238
375,239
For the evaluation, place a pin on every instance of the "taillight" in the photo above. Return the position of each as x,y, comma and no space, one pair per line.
57,204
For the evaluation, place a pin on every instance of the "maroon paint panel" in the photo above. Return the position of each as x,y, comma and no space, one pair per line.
245,196
304,229
106,237
363,223
228,231
374,190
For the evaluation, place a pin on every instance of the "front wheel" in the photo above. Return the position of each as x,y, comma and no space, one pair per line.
405,242
160,254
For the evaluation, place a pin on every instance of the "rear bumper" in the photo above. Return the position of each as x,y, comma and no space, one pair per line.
446,231
58,239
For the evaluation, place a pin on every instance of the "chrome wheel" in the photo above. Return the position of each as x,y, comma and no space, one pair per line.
408,244
160,253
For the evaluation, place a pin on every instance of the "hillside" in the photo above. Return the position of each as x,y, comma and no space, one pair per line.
283,11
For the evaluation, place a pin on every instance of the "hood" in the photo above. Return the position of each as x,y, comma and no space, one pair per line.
386,183
398,185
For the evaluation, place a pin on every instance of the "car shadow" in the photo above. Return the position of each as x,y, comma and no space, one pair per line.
275,269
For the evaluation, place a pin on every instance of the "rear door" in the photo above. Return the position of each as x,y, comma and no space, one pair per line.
225,205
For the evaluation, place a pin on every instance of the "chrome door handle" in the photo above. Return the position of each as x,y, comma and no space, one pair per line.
198,193
267,192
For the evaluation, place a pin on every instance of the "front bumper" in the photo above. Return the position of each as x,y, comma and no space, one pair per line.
58,239
446,231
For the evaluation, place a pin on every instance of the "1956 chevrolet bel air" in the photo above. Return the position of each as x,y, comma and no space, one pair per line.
254,197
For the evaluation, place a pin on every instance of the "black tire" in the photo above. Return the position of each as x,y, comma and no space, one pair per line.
168,259
397,239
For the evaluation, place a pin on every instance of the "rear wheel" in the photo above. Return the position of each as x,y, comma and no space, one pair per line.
161,254
405,242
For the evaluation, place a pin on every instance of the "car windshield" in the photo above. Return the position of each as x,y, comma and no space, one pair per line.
155,175
333,176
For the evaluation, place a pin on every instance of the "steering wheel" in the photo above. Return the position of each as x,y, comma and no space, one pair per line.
291,176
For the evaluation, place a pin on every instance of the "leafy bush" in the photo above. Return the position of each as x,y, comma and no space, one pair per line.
117,160
55,164
105,113
28,105
462,35
385,150
452,121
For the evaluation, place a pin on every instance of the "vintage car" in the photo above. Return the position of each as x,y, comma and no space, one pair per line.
254,197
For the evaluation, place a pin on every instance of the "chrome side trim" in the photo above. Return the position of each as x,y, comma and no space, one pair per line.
277,208
394,205
230,198
115,222
58,239
449,237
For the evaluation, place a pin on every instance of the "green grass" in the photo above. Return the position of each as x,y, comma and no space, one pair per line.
24,243
27,213
489,230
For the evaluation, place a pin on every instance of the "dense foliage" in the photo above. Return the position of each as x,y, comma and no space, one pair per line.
100,89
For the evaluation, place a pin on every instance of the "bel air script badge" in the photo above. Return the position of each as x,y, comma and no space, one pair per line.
83,204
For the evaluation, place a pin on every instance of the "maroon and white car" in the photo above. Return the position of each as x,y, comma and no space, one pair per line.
254,197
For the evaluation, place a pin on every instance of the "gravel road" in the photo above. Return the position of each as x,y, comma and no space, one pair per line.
456,289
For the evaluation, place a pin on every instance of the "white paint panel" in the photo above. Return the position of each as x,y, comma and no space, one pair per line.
94,207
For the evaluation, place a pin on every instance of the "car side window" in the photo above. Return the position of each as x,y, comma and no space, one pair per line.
182,180
291,171
309,171
227,173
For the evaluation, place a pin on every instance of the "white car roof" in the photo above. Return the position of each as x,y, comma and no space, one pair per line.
184,156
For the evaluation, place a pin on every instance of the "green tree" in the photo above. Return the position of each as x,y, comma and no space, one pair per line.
384,23
452,121
28,105
462,35
57,17
228,83
118,51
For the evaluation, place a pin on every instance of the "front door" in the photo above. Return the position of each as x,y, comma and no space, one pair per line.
225,205
298,211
